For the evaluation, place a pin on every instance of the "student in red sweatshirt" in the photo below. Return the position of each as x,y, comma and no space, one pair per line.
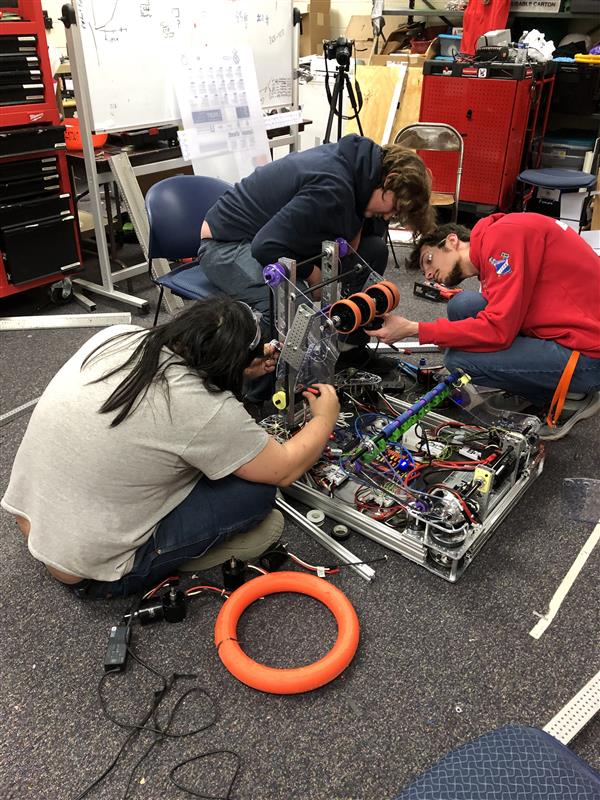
539,302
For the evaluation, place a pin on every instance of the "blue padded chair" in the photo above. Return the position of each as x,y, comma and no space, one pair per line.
513,763
176,208
565,180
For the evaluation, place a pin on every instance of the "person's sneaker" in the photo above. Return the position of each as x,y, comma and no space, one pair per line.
245,546
504,401
573,412
367,359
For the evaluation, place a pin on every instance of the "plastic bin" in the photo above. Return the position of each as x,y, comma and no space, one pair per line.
419,45
73,135
565,151
449,44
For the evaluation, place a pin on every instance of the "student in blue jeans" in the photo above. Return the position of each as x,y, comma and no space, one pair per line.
538,310
287,208
140,460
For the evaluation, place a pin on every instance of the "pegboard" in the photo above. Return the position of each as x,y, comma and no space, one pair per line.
482,110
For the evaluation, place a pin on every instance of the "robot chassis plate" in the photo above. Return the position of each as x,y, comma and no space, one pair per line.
420,540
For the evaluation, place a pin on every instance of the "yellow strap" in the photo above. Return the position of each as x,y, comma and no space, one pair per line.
560,394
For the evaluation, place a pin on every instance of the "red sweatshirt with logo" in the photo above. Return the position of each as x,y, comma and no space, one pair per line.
539,278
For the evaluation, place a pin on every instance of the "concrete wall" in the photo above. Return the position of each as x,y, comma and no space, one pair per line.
342,10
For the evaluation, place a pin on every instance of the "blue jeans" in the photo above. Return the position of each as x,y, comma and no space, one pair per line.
213,512
530,367
233,270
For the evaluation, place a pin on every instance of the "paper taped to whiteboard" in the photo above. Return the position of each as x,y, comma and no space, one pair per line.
129,50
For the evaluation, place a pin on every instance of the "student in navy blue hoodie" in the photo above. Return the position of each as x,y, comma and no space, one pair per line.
348,189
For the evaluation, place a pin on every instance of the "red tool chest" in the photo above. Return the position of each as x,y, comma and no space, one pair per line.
38,236
494,111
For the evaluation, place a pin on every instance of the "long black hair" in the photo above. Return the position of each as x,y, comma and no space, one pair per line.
212,338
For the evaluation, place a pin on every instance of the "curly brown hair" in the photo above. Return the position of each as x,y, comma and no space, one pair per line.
405,174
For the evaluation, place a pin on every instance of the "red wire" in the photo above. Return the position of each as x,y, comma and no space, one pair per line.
152,592
460,499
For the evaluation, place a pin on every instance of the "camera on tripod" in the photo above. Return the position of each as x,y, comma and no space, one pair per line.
339,49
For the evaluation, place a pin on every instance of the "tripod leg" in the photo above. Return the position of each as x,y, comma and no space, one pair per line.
340,111
352,98
337,91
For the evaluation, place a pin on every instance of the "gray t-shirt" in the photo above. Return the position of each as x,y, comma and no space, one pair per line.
94,494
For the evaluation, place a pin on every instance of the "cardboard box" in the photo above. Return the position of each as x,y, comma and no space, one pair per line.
404,56
360,29
400,56
316,26
535,5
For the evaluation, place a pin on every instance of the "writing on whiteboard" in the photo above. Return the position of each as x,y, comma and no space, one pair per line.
275,90
130,46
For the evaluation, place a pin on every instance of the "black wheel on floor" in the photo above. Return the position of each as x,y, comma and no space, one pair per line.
61,292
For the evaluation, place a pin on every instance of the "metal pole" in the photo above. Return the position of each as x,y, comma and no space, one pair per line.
64,321
294,129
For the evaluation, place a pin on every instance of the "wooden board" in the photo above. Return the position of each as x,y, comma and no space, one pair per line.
410,105
401,69
378,87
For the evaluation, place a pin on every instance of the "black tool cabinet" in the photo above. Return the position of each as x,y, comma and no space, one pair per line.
38,235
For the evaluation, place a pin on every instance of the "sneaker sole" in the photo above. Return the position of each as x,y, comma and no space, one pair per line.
552,434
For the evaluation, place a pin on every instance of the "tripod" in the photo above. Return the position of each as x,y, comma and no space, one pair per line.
336,101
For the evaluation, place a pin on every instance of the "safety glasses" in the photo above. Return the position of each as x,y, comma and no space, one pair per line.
428,257
257,317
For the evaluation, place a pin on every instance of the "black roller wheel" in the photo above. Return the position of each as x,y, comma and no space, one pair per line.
61,293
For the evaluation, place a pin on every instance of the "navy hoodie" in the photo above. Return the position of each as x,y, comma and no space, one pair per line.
289,207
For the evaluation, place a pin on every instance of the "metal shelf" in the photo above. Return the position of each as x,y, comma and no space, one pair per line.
444,12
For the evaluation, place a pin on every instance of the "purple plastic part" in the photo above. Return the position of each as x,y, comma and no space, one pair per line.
344,247
274,274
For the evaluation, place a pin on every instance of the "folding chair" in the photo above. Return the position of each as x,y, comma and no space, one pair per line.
437,136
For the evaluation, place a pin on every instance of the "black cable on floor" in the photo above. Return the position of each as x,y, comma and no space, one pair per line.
160,730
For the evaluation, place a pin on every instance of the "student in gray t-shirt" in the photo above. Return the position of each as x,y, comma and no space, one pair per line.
140,456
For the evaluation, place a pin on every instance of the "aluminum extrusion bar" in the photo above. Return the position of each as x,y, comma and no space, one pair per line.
407,346
16,412
64,321
84,301
371,528
571,719
364,570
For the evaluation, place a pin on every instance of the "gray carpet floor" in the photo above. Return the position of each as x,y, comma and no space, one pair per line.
437,663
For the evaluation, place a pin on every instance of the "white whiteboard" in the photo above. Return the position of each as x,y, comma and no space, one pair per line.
132,47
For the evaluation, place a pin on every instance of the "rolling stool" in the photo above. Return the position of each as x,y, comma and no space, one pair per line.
563,180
